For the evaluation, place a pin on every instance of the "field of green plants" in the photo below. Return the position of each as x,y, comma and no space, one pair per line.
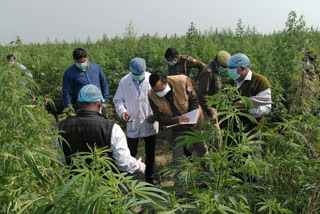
282,177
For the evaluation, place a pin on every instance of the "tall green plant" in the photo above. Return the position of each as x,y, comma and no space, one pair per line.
32,180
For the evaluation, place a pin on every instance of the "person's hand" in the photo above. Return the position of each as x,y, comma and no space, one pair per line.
142,166
125,116
149,119
104,105
183,119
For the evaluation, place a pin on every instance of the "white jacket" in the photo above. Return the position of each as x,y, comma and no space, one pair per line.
127,99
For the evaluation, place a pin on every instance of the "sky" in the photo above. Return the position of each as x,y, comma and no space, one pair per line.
39,21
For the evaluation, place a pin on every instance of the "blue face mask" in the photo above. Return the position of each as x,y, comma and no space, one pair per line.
220,69
138,78
81,65
233,74
306,65
172,63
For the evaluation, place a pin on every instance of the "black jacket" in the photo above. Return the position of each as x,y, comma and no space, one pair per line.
88,128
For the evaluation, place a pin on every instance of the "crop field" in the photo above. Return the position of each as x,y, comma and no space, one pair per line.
281,177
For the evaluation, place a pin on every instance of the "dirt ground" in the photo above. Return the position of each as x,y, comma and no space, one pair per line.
163,158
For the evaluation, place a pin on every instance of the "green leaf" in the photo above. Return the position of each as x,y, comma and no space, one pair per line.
28,157
85,187
30,115
46,155
70,185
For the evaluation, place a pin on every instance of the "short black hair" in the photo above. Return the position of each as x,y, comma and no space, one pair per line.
11,56
171,52
79,53
155,77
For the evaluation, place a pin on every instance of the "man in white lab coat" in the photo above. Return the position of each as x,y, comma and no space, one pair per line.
132,105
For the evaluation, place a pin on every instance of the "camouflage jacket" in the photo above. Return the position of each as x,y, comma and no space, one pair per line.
209,84
184,66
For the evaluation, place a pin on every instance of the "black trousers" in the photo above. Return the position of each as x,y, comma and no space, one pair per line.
150,147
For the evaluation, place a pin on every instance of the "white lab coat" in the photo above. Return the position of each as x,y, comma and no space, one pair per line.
127,99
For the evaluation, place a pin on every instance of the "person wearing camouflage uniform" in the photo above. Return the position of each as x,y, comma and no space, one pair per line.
309,63
180,64
305,85
210,83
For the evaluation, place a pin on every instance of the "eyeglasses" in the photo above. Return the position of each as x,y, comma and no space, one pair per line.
171,58
159,90
234,67
137,74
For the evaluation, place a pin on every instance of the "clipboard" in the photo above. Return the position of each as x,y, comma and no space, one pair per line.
193,118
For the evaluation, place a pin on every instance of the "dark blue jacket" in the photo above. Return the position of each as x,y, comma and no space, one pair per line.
74,79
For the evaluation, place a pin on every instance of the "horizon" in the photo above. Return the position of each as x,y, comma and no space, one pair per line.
39,21
132,30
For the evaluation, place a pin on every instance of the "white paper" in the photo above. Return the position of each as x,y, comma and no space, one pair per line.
193,118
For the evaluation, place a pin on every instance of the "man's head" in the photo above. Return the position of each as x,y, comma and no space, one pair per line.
11,58
172,56
90,98
80,58
138,68
238,66
221,60
308,61
309,55
159,83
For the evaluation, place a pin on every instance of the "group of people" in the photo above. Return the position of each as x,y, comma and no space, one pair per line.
144,100
147,101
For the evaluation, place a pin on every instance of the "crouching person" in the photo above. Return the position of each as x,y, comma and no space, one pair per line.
90,128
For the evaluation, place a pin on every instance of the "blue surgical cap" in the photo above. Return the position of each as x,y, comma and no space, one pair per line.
237,60
137,65
90,94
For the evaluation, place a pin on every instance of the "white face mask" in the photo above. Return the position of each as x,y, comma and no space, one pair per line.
163,92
